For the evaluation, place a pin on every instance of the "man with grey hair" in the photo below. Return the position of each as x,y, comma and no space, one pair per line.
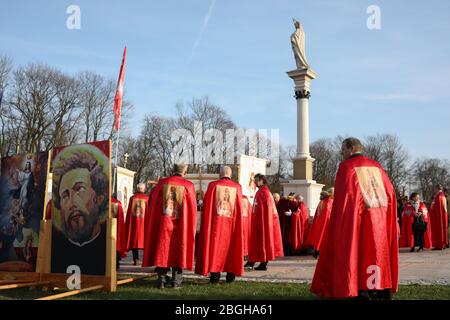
220,243
170,228
134,225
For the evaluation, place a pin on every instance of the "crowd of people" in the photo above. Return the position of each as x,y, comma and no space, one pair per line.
355,233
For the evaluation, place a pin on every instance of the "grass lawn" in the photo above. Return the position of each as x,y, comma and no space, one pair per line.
201,290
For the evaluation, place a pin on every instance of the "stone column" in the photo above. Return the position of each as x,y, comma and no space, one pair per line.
303,182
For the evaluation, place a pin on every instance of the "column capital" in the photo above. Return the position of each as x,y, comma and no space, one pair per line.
302,94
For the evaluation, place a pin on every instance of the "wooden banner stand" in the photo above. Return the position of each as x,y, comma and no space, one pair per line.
108,282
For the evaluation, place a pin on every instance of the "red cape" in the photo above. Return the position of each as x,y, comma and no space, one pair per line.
220,241
246,222
406,231
265,238
121,245
360,251
171,224
299,227
134,226
439,221
320,224
285,205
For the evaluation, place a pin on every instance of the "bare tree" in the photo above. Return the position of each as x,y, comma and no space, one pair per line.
198,116
390,153
5,71
31,98
427,173
326,153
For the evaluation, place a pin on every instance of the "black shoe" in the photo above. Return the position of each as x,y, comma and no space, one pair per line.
177,279
316,254
214,278
412,249
384,294
161,282
420,249
262,266
249,266
230,277
363,295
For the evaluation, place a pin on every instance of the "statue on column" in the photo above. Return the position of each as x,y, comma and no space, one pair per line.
298,46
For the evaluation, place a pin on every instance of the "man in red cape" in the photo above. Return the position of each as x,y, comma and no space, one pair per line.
285,207
220,242
359,257
439,219
134,226
170,227
246,222
265,238
406,231
420,224
299,225
117,212
320,224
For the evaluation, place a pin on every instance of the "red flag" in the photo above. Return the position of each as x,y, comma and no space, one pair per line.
119,91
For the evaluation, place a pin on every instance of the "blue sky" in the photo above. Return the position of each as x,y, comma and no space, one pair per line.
393,80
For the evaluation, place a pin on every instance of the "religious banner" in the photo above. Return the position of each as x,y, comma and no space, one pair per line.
125,184
80,207
22,197
248,168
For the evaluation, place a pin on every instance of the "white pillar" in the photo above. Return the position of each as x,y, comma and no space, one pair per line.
302,80
303,128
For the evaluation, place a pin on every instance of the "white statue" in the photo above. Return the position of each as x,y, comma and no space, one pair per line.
298,46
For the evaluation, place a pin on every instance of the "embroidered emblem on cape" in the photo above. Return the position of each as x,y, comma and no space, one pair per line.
173,200
372,187
225,199
138,210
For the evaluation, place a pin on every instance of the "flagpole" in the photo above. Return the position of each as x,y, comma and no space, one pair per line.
115,159
117,112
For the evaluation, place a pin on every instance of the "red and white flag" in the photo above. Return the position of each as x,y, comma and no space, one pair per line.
119,91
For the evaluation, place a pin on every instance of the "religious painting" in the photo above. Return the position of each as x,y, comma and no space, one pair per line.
138,209
80,207
248,168
225,199
22,197
372,186
173,200
124,186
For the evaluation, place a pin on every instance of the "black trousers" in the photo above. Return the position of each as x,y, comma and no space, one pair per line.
135,254
419,239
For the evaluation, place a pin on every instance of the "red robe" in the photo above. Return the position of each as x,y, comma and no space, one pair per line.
283,206
439,221
360,251
406,232
117,209
246,222
265,238
134,226
171,224
299,227
220,241
320,224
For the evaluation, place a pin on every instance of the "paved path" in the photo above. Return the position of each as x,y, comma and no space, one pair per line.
428,267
